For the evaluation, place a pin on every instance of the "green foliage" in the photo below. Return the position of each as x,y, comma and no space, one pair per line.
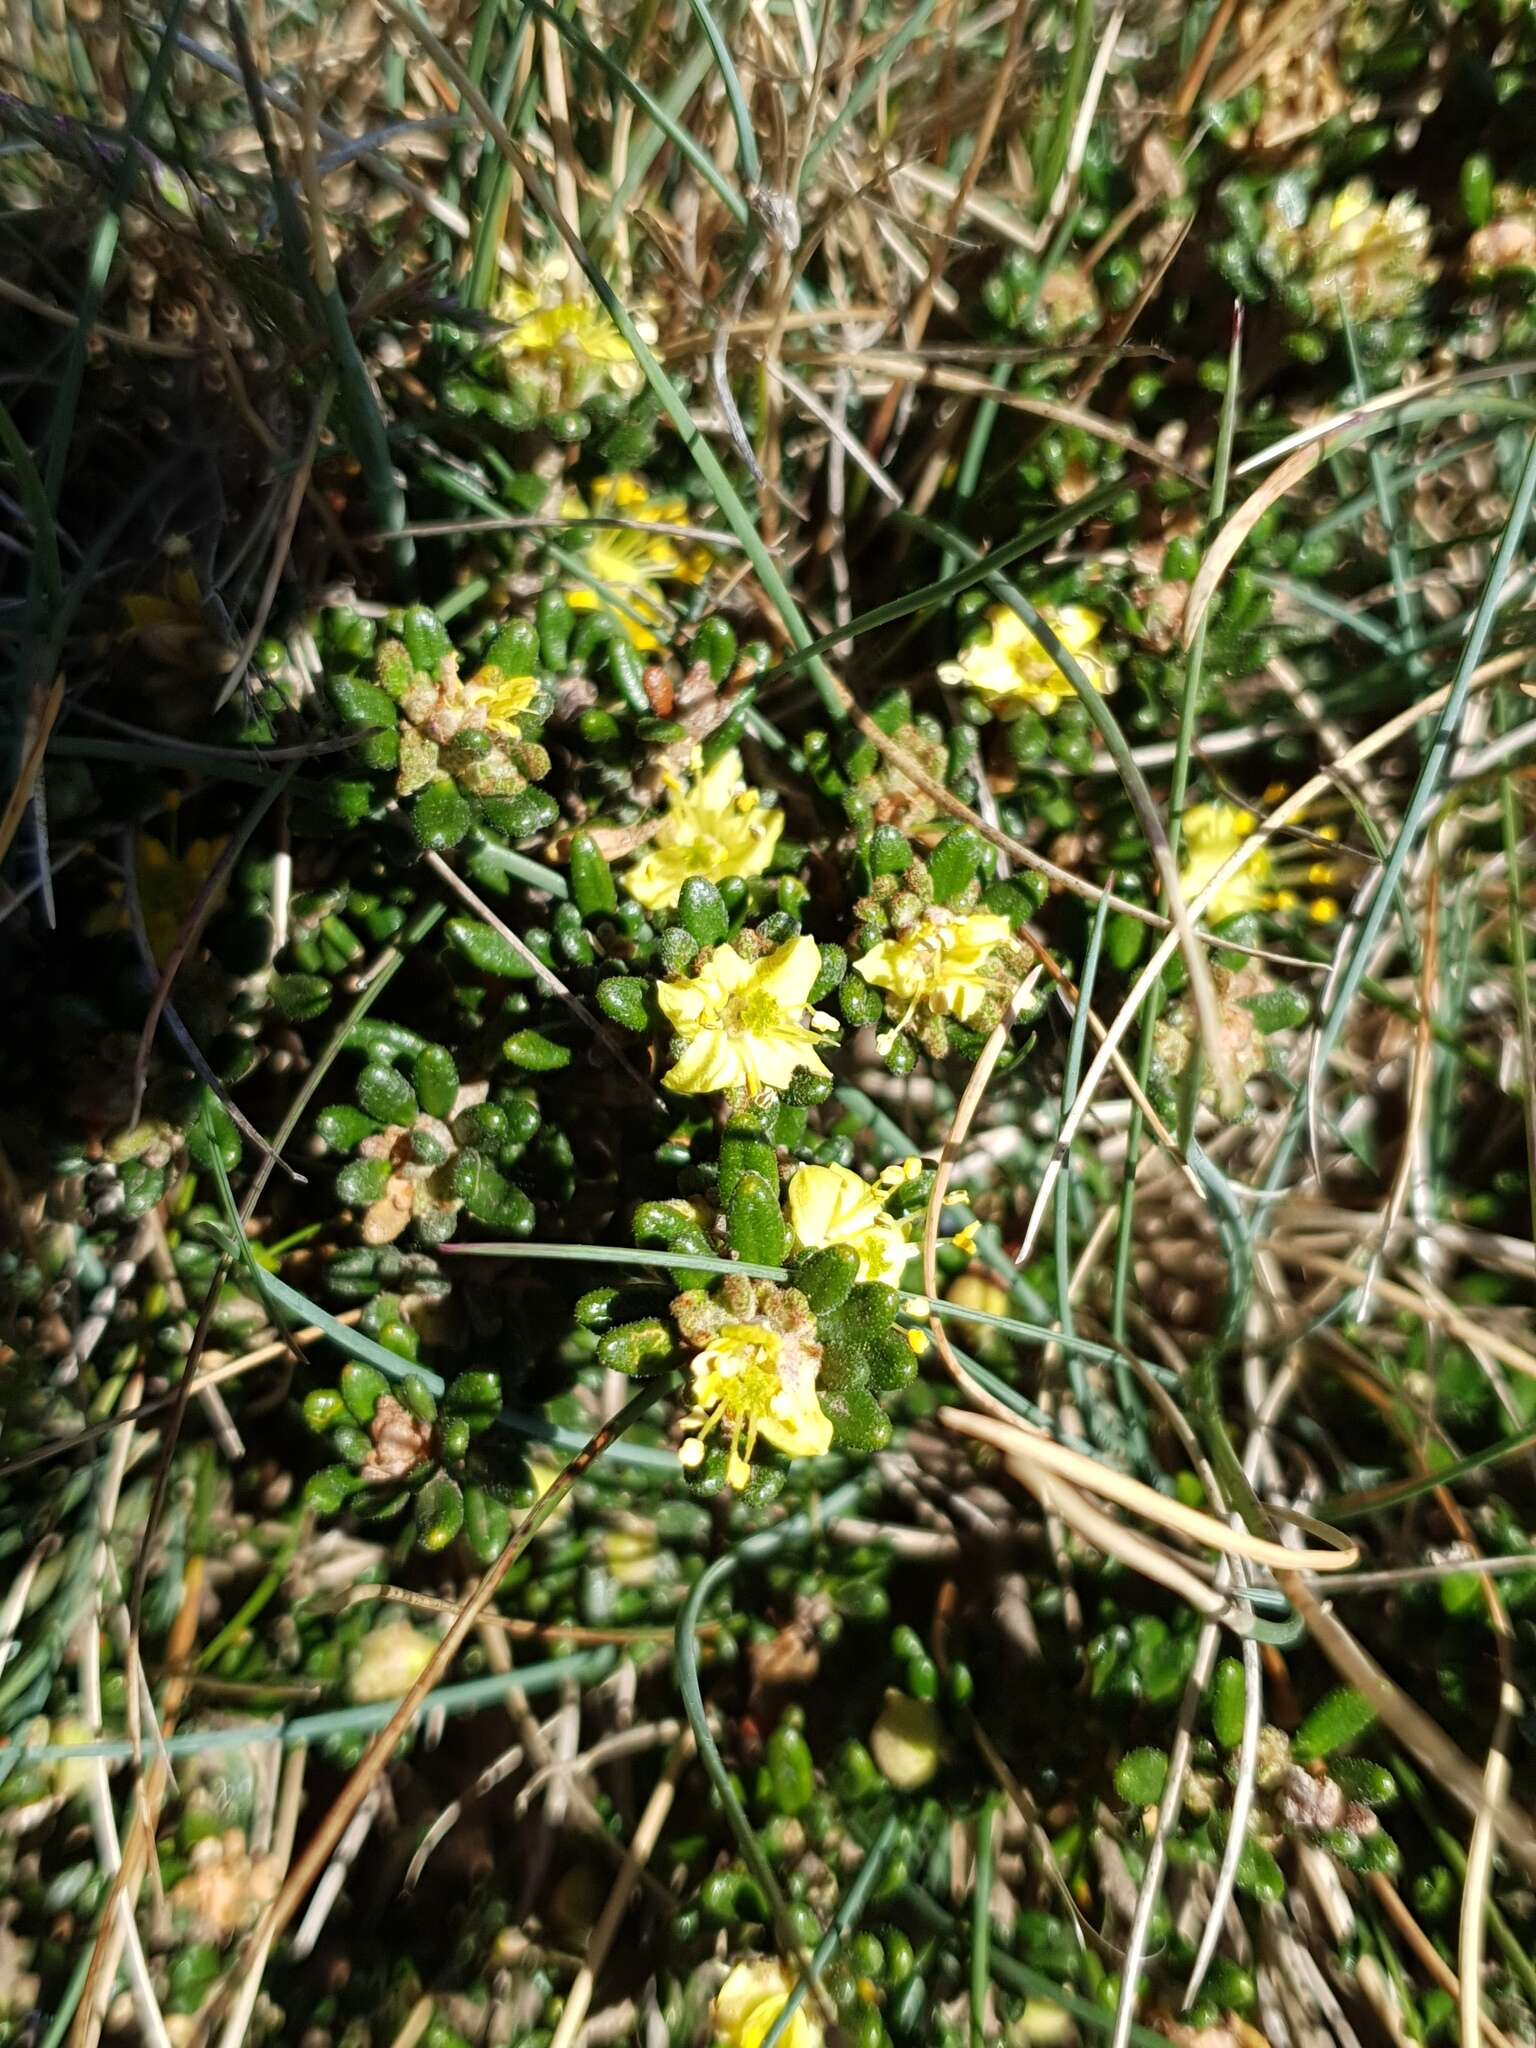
311,1286
1334,1723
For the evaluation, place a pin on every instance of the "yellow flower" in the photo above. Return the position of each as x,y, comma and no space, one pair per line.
632,1555
940,965
976,1290
168,885
830,1205
563,341
715,826
748,1377
502,698
387,1663
1213,832
907,1741
751,1999
170,625
179,605
1012,673
627,565
743,1022
1373,257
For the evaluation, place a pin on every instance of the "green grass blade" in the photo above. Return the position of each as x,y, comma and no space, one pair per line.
735,98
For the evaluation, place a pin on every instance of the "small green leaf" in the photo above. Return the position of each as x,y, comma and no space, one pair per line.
515,651
622,999
639,1349
1259,1874
869,1309
300,997
362,1388
386,1094
954,862
327,1491
791,1772
487,1524
540,1055
715,645
677,949
592,889
426,640
436,1077
491,1198
889,852
213,1130
485,950
743,1150
1335,1722
891,1362
1477,189
475,1393
701,911
1140,1777
858,1421
522,815
1227,1703
440,816
365,705
834,965
755,1222
658,1225
1125,940
362,1181
860,1002
1279,1009
439,1512
323,1409
381,1041
342,1126
826,1277
555,620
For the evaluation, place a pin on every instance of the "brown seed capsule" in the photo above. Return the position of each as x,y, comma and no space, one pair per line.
657,685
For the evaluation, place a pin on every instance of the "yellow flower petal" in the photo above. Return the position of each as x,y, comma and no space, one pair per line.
796,1426
682,1003
829,1203
709,1066
789,975
503,698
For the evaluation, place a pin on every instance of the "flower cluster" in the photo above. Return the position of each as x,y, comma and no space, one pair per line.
1358,259
941,966
560,345
753,1375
